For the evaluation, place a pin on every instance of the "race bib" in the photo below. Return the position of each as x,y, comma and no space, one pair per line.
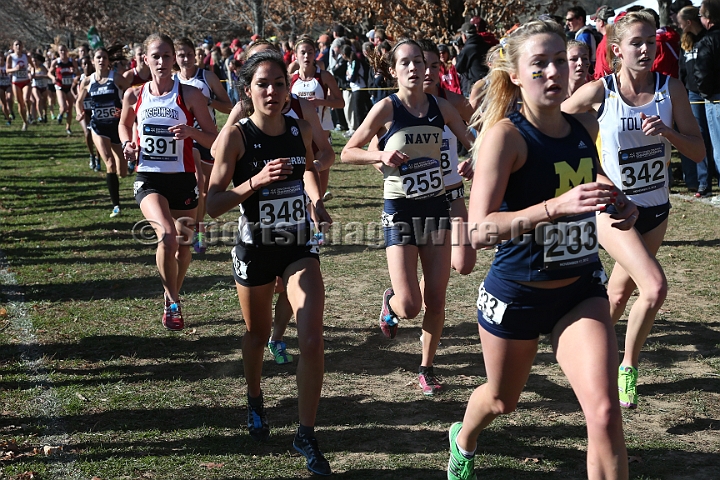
282,205
66,81
159,144
570,242
642,169
491,307
21,74
445,163
104,113
87,104
421,178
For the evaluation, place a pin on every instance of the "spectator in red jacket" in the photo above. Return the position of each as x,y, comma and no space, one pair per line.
601,17
667,58
449,79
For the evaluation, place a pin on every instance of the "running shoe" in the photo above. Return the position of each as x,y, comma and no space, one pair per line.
703,193
327,197
92,162
428,381
279,352
24,127
115,212
459,466
388,319
68,131
60,119
199,242
172,317
8,122
627,387
257,421
316,461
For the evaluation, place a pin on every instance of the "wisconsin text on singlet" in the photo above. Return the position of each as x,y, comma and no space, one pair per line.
155,112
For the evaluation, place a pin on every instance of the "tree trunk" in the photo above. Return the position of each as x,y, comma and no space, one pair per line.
259,17
664,12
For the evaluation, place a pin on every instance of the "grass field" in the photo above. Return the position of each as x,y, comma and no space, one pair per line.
92,386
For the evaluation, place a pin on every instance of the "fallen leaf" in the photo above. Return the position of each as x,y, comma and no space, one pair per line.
50,450
3,312
533,459
81,397
211,465
192,331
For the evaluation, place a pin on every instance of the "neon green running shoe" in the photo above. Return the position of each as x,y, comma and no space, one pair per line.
279,352
459,466
627,386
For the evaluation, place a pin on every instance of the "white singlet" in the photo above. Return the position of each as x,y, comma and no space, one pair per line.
635,162
198,81
449,158
159,150
313,88
21,61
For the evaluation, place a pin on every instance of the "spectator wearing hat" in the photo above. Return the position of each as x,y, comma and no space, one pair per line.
323,51
602,64
449,79
470,62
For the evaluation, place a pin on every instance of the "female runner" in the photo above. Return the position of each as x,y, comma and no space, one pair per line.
104,91
463,255
5,93
415,217
537,187
165,186
16,65
217,99
579,61
268,157
87,69
637,109
320,88
140,73
62,71
39,84
324,157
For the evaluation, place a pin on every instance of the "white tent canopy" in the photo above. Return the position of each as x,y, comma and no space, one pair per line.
644,3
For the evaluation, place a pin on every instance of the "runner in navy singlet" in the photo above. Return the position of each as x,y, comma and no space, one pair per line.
535,194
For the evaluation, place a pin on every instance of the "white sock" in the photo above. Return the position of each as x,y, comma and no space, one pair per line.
465,453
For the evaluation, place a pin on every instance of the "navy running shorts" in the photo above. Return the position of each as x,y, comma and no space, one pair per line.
410,222
511,310
108,131
254,266
180,189
453,194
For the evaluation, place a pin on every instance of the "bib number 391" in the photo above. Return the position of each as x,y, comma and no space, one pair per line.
492,308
